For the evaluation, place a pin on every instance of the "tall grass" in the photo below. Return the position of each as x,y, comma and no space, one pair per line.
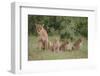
35,54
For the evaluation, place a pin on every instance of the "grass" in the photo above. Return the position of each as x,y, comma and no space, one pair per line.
35,54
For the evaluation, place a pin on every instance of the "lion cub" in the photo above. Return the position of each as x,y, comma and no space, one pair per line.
77,45
55,45
64,46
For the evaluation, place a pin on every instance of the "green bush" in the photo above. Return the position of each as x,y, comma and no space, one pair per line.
64,26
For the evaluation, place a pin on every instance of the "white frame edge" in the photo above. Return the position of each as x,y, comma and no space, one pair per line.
15,38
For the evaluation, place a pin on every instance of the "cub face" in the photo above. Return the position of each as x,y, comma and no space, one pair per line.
78,44
56,45
64,46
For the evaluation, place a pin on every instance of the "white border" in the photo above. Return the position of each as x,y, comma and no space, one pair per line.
19,39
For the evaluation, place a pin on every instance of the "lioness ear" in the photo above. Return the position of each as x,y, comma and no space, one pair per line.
35,24
43,25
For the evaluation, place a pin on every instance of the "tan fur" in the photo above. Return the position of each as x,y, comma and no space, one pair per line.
64,46
77,44
56,45
50,44
42,35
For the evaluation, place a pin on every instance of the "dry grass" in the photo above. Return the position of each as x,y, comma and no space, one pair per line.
35,54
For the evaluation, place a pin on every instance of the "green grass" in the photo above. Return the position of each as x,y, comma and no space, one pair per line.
35,54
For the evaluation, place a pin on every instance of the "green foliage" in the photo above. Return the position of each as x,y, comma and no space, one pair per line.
66,27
